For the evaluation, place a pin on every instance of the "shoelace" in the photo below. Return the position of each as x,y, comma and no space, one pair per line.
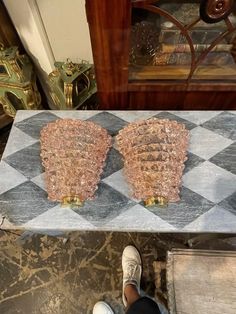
131,270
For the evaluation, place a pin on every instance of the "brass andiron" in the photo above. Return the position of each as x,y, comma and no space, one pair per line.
71,84
18,88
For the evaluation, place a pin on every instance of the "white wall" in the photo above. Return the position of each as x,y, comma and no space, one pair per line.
51,30
67,29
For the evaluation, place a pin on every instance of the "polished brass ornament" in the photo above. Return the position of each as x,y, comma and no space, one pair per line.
18,88
71,85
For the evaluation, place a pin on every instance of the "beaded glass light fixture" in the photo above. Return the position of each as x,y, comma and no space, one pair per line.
73,154
154,152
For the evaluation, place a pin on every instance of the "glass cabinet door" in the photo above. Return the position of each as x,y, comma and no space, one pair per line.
183,40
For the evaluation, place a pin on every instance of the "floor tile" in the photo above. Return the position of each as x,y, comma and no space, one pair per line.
114,162
205,143
195,116
109,121
63,218
75,114
167,115
27,161
107,205
210,181
223,124
139,218
192,162
25,114
215,220
40,181
185,211
131,116
118,182
229,203
33,125
16,141
9,177
226,158
24,202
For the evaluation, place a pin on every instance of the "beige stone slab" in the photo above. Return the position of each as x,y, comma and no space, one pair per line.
201,282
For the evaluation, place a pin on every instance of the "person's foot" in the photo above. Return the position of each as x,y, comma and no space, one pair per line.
102,308
132,269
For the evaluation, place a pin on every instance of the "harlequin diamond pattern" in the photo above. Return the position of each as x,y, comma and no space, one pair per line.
207,195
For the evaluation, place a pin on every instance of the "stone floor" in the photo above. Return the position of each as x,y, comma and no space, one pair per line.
43,274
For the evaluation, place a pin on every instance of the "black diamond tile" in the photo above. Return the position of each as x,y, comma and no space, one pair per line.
226,158
192,162
24,202
223,124
33,125
108,121
107,205
167,115
27,161
114,162
230,203
180,214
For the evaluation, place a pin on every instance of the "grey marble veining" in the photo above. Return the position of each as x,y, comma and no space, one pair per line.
208,190
226,159
35,123
24,202
190,207
223,124
27,161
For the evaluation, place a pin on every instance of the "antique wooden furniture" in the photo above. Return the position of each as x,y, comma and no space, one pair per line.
164,54
18,88
8,37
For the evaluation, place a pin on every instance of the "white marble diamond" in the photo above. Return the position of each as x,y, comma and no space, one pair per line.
210,181
197,117
25,114
9,177
75,114
216,219
139,218
131,116
205,143
118,182
59,218
16,141
40,181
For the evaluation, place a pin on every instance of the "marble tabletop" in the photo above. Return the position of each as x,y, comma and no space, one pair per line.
208,194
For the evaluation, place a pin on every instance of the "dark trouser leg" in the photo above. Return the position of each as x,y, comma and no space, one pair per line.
144,305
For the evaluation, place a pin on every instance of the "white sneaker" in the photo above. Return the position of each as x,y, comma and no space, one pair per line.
102,308
132,269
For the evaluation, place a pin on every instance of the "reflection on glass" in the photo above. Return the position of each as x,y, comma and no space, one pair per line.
170,40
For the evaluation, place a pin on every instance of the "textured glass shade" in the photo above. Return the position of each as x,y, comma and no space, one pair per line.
73,154
154,152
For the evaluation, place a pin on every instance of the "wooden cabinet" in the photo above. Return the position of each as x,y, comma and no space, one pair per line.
164,54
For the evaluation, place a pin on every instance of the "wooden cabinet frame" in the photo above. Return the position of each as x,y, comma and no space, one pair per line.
109,23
